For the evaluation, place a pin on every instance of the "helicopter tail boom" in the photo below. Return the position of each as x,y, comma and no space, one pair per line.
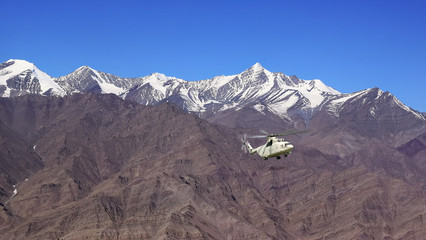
250,148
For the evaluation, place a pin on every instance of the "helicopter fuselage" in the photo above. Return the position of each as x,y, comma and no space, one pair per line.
274,147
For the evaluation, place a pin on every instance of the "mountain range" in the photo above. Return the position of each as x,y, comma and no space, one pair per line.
287,97
94,156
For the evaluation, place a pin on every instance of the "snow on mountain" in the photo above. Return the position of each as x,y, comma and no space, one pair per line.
86,79
256,87
19,76
152,89
374,103
373,98
286,96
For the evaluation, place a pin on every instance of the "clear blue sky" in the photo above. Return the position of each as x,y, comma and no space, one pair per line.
350,45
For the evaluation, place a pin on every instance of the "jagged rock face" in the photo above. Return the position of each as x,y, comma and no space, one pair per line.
83,82
23,83
85,79
114,169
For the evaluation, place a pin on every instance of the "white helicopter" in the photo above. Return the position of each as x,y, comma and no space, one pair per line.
274,146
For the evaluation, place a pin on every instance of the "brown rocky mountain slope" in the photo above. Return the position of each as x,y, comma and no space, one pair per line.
18,161
113,169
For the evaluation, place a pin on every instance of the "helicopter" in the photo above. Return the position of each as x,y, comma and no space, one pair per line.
274,146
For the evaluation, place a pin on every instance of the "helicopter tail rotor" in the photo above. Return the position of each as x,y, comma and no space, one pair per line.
246,147
244,141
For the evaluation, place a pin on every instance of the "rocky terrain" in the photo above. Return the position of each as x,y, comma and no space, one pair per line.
95,166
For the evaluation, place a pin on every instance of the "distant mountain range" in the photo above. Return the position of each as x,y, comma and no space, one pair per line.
287,97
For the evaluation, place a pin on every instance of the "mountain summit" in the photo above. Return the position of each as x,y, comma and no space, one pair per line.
256,67
18,77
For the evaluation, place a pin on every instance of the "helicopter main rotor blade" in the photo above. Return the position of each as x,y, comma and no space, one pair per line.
290,132
264,132
257,136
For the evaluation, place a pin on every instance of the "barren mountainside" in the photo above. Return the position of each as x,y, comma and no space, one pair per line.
95,166
91,155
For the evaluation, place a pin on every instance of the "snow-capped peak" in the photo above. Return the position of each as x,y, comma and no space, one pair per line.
257,66
255,69
158,76
16,66
83,68
322,87
27,77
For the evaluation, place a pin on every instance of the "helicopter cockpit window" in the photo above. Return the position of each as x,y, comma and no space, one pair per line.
269,143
